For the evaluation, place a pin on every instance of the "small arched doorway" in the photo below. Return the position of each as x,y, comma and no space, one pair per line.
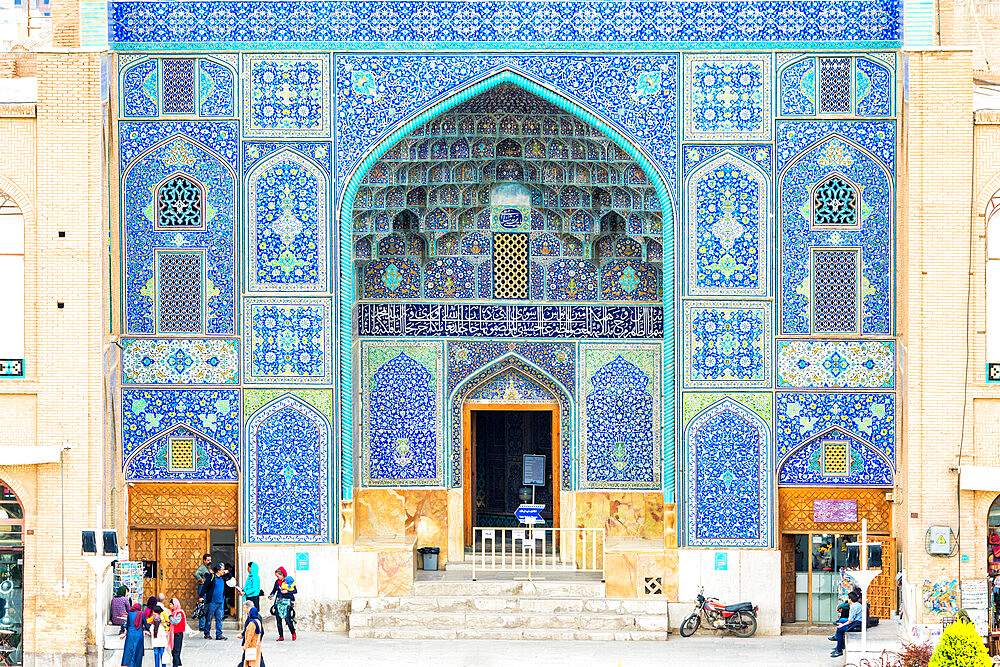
11,576
993,538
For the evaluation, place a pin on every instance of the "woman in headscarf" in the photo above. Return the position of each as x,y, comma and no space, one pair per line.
119,606
284,588
159,632
133,632
178,625
253,633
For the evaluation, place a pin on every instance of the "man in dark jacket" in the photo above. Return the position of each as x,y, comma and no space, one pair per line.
213,595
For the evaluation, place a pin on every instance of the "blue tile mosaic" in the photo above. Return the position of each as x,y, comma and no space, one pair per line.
286,95
140,89
727,97
620,417
801,236
727,344
728,220
466,358
136,137
288,223
866,466
798,88
216,89
519,24
728,486
874,89
144,238
286,340
157,462
180,361
808,364
148,413
868,418
509,387
288,473
403,411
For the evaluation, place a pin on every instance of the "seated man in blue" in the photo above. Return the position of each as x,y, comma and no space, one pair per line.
852,624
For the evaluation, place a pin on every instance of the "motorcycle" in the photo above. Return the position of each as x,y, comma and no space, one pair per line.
740,619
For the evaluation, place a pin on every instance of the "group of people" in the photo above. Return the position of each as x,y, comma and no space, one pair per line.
851,617
165,624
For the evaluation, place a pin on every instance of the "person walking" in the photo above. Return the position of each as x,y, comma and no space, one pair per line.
159,633
178,626
251,587
133,632
852,624
252,635
201,575
283,593
213,595
119,606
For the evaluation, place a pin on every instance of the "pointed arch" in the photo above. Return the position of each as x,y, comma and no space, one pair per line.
866,464
559,393
287,472
348,291
208,460
844,192
287,252
140,89
739,263
728,491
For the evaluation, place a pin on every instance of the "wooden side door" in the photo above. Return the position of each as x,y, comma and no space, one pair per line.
180,552
142,546
882,592
787,578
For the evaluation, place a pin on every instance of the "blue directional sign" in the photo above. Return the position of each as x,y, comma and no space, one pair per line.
529,514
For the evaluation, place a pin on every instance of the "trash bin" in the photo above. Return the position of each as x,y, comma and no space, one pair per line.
430,555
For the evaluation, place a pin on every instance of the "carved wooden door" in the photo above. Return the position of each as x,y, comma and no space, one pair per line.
180,554
882,593
787,578
142,546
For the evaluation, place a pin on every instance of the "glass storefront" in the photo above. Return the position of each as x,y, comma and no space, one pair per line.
11,576
819,559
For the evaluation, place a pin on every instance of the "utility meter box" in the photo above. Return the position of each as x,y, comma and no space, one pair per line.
939,540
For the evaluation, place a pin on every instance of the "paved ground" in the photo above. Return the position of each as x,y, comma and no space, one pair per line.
316,648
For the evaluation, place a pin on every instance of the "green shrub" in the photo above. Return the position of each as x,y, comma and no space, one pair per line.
960,646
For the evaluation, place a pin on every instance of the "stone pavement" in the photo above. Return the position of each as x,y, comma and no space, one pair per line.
327,648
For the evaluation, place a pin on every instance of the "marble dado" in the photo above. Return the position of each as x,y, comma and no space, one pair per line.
419,514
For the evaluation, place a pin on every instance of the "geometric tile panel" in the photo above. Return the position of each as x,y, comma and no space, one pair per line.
727,344
727,97
402,414
727,474
148,413
287,225
209,462
180,361
194,290
516,25
809,364
620,418
834,85
288,472
831,288
867,418
286,340
728,229
286,95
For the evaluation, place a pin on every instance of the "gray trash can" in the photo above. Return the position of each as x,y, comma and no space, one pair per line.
430,556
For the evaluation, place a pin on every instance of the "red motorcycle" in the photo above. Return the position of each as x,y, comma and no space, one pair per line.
740,619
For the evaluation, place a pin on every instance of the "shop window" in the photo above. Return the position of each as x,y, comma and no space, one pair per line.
993,288
11,577
993,538
12,295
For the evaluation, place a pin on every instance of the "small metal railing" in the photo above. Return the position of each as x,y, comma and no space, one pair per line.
537,550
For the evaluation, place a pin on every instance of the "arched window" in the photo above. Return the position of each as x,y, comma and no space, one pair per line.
835,204
11,572
12,294
179,204
993,286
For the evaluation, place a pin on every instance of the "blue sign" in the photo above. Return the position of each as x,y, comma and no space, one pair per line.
722,561
533,470
529,514
509,218
301,562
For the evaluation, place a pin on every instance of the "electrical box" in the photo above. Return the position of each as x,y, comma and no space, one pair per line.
939,540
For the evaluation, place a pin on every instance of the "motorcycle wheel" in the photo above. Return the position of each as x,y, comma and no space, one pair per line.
691,624
745,624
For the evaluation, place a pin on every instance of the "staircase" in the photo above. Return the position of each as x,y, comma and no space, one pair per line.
449,605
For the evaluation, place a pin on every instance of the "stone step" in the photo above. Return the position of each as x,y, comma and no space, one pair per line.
606,622
510,603
506,634
551,589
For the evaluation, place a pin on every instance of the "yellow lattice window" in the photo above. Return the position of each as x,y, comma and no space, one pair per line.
836,459
182,454
510,266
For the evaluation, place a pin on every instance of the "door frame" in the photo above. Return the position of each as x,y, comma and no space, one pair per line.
469,454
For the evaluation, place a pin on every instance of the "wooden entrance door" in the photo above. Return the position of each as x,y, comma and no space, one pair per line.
142,546
180,554
787,578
